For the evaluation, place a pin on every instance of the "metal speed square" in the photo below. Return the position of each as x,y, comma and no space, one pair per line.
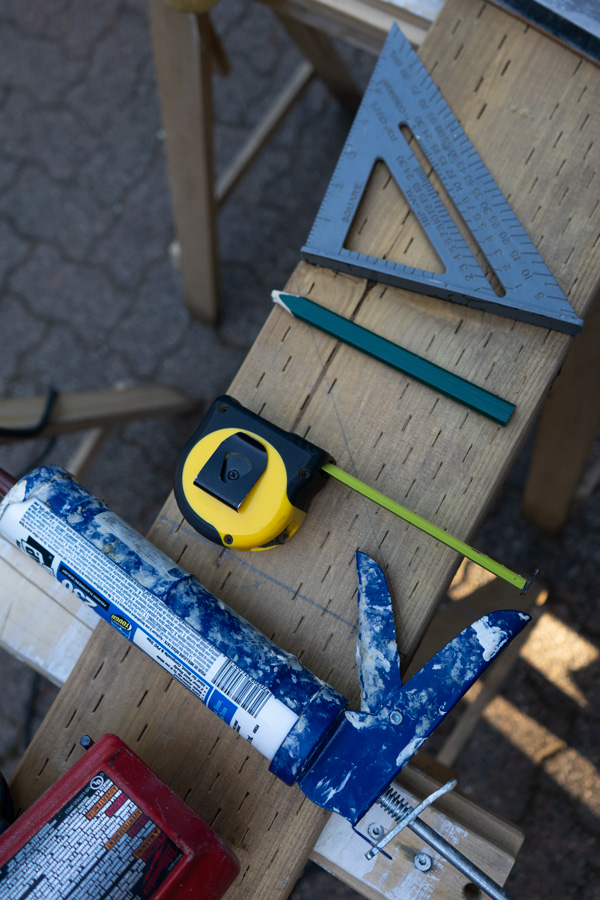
401,93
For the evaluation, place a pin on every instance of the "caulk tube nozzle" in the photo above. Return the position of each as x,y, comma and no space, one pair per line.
264,693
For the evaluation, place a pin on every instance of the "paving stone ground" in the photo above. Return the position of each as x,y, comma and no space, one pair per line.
89,298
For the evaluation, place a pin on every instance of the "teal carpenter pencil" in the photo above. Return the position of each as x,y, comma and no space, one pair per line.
398,358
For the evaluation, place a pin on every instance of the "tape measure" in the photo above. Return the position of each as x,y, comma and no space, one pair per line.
244,483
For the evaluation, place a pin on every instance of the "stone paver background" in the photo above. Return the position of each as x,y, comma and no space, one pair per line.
90,298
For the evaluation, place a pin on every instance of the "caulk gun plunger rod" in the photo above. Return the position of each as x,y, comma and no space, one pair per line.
6,482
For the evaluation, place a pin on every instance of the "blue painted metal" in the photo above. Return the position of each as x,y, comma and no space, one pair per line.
170,588
368,748
343,761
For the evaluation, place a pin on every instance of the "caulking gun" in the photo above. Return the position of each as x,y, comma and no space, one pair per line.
342,760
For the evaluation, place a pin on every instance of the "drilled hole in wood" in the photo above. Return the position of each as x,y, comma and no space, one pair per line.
98,672
180,557
467,453
100,699
506,65
327,642
437,472
73,714
168,685
260,379
260,412
244,873
187,794
287,362
411,487
459,51
531,152
298,625
502,41
405,460
242,765
414,589
440,504
142,698
285,333
212,749
225,580
247,794
214,818
325,539
142,732
437,400
405,426
272,821
306,399
380,471
70,752
125,655
434,442
44,766
332,385
482,110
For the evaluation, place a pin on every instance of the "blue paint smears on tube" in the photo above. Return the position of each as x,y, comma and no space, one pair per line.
342,760
257,688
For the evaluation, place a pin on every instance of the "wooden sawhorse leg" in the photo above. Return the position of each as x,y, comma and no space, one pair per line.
184,48
568,429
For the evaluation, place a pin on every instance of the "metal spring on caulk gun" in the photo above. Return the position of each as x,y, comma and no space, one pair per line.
407,816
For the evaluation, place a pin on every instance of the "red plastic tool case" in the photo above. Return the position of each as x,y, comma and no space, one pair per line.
110,828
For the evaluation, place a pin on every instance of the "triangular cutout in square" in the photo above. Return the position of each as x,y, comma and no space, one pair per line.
401,96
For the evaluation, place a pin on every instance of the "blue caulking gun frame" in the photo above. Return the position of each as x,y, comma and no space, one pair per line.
342,760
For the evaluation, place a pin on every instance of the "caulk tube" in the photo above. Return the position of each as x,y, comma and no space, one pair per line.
264,693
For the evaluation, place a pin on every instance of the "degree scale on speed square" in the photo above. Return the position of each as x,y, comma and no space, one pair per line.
344,761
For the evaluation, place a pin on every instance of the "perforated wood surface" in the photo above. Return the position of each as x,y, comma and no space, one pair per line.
530,107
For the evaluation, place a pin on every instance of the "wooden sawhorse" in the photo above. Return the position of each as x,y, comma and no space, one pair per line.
528,104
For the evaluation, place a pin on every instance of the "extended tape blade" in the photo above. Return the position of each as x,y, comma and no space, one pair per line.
434,531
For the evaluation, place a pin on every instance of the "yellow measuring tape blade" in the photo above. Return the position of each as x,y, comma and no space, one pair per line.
481,559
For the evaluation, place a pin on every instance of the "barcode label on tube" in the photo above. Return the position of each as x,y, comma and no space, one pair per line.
240,688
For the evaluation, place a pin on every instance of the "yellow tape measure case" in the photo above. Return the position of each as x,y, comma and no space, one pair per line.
243,482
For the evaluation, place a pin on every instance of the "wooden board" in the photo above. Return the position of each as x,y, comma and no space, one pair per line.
529,106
